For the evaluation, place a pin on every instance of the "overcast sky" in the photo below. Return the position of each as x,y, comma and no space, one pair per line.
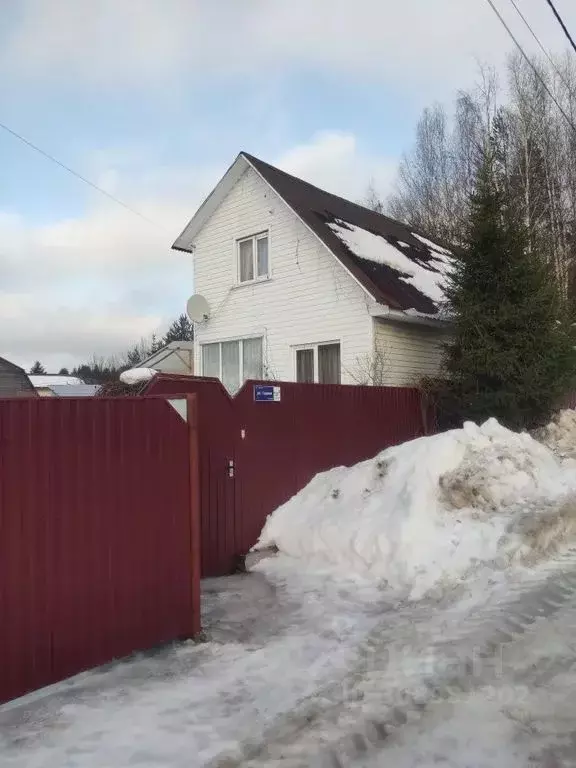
153,99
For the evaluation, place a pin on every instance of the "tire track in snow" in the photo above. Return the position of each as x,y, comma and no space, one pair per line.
354,717
529,602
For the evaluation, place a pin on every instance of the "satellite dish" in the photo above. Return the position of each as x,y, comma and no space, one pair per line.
197,308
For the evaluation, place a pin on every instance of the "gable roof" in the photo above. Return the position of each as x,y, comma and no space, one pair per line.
173,347
12,366
396,265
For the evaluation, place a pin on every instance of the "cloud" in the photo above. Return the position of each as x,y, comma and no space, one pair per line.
62,336
98,282
425,44
334,161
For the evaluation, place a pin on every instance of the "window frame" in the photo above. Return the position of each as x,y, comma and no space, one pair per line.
263,234
240,340
297,348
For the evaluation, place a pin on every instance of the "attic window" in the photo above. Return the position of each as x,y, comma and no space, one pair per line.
253,259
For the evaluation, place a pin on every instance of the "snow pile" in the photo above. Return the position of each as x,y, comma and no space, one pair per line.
137,375
560,434
432,510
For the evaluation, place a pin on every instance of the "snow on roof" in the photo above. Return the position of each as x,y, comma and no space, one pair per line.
427,277
74,390
431,245
47,380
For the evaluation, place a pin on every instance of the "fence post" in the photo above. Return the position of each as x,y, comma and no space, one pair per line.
194,458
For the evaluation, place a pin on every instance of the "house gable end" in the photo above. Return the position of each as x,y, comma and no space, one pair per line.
185,241
307,298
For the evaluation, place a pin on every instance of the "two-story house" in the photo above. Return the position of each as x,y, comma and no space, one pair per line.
306,286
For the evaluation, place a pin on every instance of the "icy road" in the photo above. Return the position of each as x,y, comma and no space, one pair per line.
302,671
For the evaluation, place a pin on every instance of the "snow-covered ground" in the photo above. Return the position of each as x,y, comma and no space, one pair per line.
525,715
420,611
271,648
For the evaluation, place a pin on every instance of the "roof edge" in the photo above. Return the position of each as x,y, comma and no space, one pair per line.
314,234
184,241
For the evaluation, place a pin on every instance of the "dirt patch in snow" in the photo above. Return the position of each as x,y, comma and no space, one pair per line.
498,471
544,535
560,434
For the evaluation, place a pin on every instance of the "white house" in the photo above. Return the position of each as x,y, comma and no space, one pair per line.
303,285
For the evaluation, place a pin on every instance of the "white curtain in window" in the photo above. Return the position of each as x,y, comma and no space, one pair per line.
231,365
246,260
211,360
262,249
329,364
305,366
252,359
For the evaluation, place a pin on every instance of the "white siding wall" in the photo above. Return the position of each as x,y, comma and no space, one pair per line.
309,298
407,352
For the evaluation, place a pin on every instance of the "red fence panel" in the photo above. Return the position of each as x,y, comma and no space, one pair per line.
277,447
313,428
96,534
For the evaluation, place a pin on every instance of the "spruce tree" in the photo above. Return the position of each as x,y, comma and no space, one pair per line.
512,352
37,369
180,330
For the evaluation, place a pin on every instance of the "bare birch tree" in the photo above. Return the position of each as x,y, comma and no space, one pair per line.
536,150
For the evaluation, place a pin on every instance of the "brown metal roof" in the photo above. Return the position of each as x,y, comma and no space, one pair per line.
318,209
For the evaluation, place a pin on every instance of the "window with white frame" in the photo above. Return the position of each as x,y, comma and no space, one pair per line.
318,363
253,258
234,361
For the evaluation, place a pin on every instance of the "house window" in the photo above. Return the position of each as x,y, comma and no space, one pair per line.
305,366
329,363
253,258
233,361
319,363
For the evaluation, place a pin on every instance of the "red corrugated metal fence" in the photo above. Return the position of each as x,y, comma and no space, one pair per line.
97,533
277,447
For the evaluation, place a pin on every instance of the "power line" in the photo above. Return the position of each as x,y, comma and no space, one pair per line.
532,66
561,22
541,46
77,175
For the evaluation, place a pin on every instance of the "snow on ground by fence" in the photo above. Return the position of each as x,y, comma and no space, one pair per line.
427,513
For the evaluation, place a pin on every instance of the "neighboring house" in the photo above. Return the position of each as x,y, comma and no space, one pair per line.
55,385
73,390
14,382
175,357
303,285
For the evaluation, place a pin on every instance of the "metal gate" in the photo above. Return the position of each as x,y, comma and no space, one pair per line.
277,446
99,532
